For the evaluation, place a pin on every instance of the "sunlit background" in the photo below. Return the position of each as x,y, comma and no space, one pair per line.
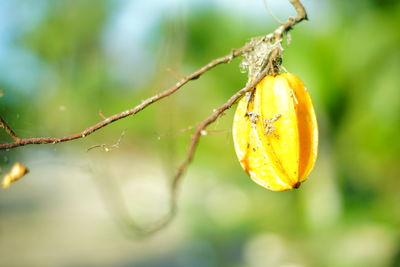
62,62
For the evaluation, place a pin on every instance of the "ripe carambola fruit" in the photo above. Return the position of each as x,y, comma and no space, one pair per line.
275,133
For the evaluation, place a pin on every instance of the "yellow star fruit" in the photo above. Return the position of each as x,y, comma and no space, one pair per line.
275,133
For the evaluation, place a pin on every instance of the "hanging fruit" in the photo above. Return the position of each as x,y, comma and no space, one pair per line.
275,133
17,171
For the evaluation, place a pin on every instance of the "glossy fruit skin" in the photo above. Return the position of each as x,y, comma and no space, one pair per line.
276,134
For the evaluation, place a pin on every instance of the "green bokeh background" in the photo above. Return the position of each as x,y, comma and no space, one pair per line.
64,61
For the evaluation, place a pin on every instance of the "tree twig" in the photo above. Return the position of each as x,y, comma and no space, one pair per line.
8,130
201,128
301,15
288,25
145,103
108,148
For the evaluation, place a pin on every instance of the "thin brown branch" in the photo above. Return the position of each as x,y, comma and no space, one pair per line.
288,25
195,139
145,103
201,129
8,130
108,148
301,15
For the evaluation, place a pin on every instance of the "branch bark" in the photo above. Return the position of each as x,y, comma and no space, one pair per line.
3,124
145,103
201,128
277,35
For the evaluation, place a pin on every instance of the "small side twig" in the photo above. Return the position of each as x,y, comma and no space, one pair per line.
288,25
174,73
145,103
201,128
8,130
195,139
284,28
108,148
102,115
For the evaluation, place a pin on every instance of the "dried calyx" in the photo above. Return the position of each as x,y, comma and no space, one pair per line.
265,49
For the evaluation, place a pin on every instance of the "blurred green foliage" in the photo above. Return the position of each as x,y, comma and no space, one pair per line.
346,214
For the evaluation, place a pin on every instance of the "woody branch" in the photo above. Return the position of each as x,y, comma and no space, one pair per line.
301,15
277,35
201,128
